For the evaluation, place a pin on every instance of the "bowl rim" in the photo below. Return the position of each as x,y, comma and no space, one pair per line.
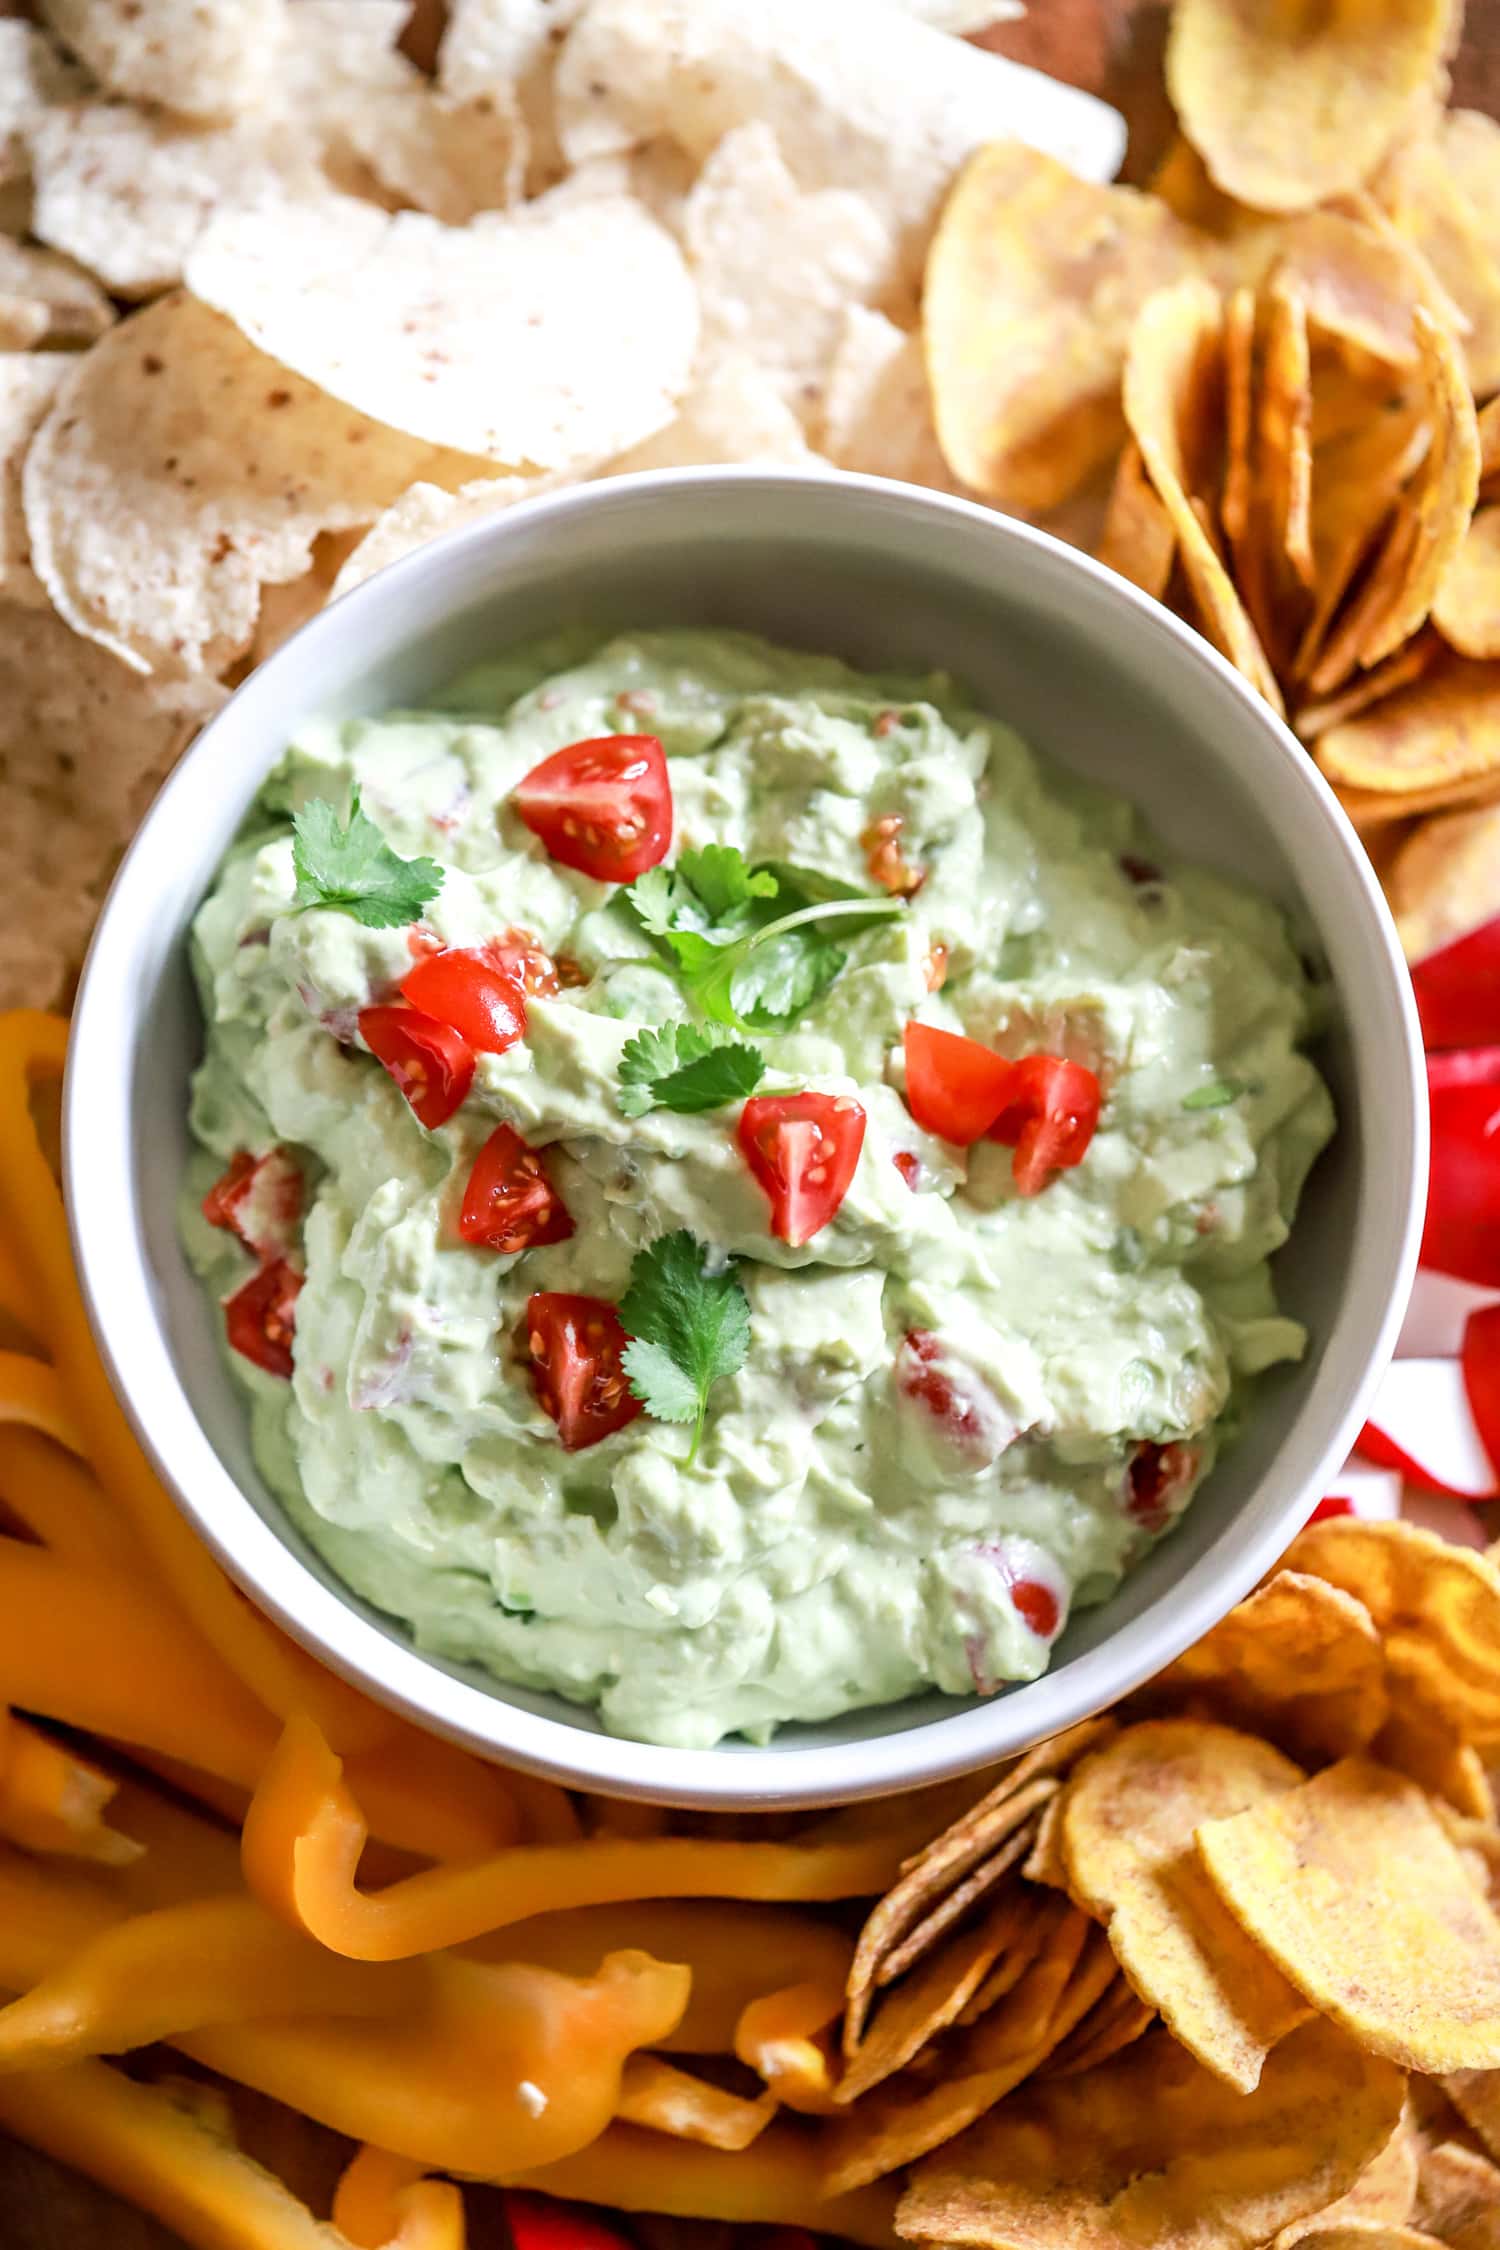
124,1316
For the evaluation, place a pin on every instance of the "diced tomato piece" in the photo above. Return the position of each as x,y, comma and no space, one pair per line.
541,2222
1048,1119
420,941
509,1203
1334,1504
1458,990
884,859
1463,1066
518,955
909,1165
957,1397
258,1200
802,1149
466,987
1461,1235
431,1062
1156,1480
955,1087
261,1317
575,1350
603,807
1037,1606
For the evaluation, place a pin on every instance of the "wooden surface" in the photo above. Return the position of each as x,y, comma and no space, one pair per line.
1110,47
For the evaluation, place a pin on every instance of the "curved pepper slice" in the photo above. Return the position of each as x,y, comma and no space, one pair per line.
384,2202
779,2038
304,1834
672,2101
53,1802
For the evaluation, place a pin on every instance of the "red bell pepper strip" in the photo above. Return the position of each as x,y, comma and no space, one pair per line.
1458,990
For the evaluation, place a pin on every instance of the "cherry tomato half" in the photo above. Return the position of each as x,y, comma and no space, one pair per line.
465,986
509,1203
519,955
1157,1481
575,1350
802,1150
1037,1607
963,1406
261,1317
603,807
955,1087
1049,1117
258,1200
431,1062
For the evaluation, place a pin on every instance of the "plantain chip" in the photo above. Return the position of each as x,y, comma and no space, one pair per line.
1442,734
1367,689
1291,102
1445,880
1467,609
1153,2151
926,2002
1352,1887
1386,2190
1127,1836
1138,540
1455,2185
1033,283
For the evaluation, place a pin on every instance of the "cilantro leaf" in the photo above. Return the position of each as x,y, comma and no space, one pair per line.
688,1328
1217,1094
724,879
784,976
686,1067
352,868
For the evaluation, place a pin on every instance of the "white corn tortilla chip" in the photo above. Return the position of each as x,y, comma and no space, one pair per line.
73,308
858,96
180,470
28,381
775,268
877,406
734,412
202,58
33,77
544,341
83,745
128,194
424,512
509,49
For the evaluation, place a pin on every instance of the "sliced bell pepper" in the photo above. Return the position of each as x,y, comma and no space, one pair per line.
54,1495
1458,990
672,2101
52,1801
384,2202
1481,1369
1461,1235
780,2038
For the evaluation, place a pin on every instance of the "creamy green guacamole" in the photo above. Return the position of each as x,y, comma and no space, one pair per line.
830,1547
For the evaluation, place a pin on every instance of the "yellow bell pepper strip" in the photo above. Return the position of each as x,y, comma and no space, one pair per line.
304,1834
780,2037
32,1047
142,2146
61,1504
181,1968
46,1913
52,1802
32,1395
668,2100
775,2183
186,1856
547,1813
383,2202
733,1948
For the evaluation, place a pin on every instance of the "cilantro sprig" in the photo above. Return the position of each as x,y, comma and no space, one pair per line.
748,944
689,1328
688,1068
351,867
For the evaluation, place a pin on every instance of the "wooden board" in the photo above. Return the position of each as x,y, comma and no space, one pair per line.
1110,47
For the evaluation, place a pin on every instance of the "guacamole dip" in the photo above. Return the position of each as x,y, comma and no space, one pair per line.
735,1195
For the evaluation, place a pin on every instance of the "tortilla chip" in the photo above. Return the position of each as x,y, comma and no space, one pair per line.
1127,1836
71,306
1440,734
128,193
775,268
1436,1608
33,78
1288,112
877,404
1033,286
1446,880
1455,2184
200,61
482,337
1154,2151
1384,2192
1171,373
1350,1883
180,470
977,2067
925,2003
425,511
28,382
998,1859
1138,540
83,745
868,102
733,412
1369,688
1298,1663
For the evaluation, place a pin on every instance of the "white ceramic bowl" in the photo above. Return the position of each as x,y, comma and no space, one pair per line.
1093,674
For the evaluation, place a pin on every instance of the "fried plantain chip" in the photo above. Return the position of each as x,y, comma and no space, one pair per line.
1154,2151
1445,880
1035,1915
926,2002
1455,2184
1436,1608
1172,401
1351,1886
1370,810
1467,609
1239,395
1127,1837
1384,2191
1138,539
1044,1863
1298,1662
1033,284
1440,734
1292,104
1427,204
1475,2094
1369,688
1116,2020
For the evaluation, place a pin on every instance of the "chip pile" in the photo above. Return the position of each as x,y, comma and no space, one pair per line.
1222,1967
